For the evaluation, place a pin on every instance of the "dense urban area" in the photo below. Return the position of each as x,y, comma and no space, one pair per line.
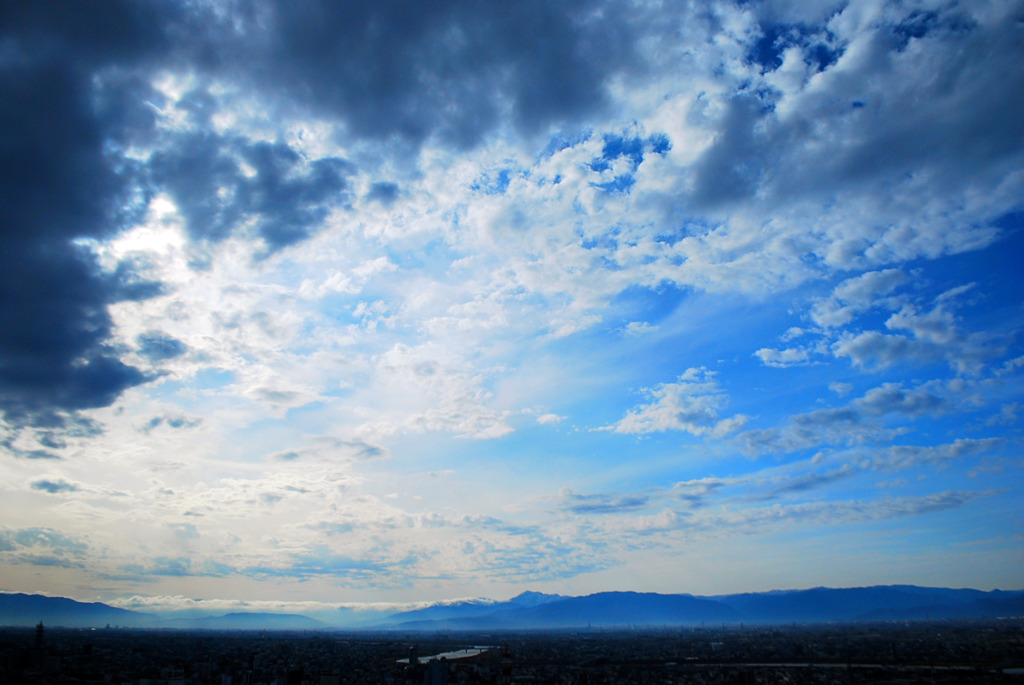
922,652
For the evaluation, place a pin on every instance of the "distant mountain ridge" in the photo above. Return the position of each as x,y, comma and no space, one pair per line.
876,603
22,609
26,610
625,609
249,621
605,609
537,611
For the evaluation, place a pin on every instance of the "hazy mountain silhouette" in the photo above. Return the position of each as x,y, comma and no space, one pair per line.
607,609
846,604
533,599
534,610
624,609
249,621
602,610
28,610
470,612
21,609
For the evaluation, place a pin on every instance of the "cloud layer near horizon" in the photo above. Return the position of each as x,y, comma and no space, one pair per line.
391,302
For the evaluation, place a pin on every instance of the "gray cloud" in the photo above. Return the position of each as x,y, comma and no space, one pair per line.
158,347
171,566
891,458
892,398
333,449
453,69
734,166
917,506
286,195
877,350
176,567
321,561
29,545
602,503
759,520
753,520
44,439
855,296
968,71
384,193
840,425
899,457
171,421
696,492
36,454
54,487
805,482
860,421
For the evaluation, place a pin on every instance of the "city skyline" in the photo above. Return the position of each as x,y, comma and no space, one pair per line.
377,304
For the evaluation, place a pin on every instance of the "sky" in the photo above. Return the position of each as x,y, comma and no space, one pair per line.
309,304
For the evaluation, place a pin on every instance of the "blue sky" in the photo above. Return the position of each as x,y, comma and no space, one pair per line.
320,304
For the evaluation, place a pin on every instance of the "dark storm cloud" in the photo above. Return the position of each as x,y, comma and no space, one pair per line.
75,94
70,100
452,68
287,195
63,113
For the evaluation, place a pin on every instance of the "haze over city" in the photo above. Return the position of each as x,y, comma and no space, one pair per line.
315,304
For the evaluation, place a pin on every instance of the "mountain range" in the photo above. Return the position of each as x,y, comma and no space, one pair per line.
538,611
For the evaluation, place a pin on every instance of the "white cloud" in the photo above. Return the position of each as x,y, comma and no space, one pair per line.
792,356
935,336
691,404
634,328
436,397
856,295
840,388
